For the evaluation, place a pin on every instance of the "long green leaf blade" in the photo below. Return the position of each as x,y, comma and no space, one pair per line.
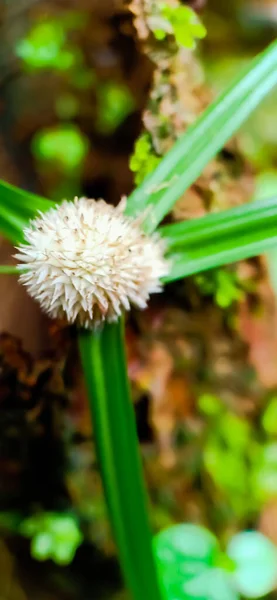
9,270
17,207
22,202
221,238
12,224
191,153
104,366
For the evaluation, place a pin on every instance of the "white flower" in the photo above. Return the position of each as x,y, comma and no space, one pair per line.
86,261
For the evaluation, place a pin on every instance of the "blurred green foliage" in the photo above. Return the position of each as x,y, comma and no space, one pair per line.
264,474
210,405
143,160
179,21
46,45
192,565
64,144
115,104
255,559
186,25
269,419
240,459
221,284
53,536
49,45
266,183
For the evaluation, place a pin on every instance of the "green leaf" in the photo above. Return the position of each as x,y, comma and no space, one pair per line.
187,557
256,563
212,584
186,541
64,144
143,160
221,238
210,405
54,535
235,432
105,371
17,207
45,47
269,419
115,104
185,23
41,545
264,475
228,471
191,153
63,553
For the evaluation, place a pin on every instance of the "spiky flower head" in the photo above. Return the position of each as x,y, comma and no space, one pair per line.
86,261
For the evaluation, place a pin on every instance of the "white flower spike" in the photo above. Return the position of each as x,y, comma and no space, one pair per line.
86,261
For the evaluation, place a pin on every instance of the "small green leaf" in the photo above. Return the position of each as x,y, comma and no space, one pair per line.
264,475
45,47
65,144
229,472
65,529
269,419
209,405
43,44
41,545
143,160
186,25
54,536
212,584
222,284
235,431
115,104
63,553
187,557
256,563
186,542
182,553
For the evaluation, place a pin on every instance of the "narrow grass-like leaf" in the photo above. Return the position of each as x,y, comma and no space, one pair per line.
17,207
24,203
104,365
191,153
221,238
8,270
11,224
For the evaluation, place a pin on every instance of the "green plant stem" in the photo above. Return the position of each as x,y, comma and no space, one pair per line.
104,365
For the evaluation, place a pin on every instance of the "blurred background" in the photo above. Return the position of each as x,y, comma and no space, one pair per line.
89,102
